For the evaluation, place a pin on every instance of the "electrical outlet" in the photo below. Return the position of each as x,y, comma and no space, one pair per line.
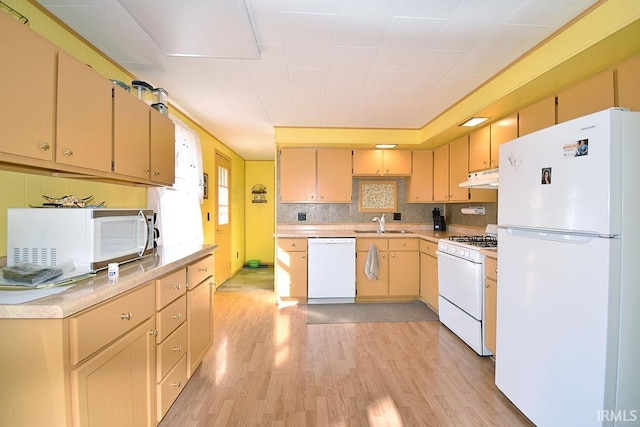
302,216
397,216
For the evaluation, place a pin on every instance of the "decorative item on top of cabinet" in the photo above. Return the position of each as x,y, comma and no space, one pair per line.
320,175
590,95
291,269
27,86
490,301
429,273
420,183
381,162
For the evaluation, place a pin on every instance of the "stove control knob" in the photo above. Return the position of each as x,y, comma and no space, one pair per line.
443,247
467,254
453,250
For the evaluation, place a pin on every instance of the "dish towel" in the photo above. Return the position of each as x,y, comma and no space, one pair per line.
372,263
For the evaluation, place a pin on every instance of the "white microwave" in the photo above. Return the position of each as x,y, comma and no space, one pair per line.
90,238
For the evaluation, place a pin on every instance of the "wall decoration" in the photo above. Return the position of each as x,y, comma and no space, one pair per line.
378,196
259,192
205,183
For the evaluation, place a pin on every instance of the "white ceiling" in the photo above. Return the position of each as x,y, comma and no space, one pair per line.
321,63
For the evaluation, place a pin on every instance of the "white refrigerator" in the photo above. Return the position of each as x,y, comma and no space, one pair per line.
568,313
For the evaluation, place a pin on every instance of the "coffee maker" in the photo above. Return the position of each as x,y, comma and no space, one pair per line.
438,221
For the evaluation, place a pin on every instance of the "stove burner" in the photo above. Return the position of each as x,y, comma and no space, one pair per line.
480,241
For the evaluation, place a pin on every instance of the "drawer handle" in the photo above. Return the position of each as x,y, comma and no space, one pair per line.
126,316
176,286
176,384
176,316
45,146
153,333
404,244
177,349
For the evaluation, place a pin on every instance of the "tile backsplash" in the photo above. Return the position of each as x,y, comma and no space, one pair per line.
324,213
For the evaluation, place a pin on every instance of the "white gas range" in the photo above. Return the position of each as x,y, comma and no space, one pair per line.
461,285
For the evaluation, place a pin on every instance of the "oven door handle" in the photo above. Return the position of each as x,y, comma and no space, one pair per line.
454,258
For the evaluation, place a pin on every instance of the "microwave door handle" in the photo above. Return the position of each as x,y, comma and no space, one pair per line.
143,218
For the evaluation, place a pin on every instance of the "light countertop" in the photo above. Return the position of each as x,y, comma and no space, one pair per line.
88,292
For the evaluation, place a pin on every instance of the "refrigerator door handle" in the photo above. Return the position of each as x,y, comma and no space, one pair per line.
565,236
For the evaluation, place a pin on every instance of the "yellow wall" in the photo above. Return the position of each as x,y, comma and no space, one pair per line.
260,217
22,189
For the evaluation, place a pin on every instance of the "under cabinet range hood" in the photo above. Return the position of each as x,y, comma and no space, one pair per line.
487,179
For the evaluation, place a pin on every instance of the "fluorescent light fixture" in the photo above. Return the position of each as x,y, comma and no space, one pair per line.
386,145
474,121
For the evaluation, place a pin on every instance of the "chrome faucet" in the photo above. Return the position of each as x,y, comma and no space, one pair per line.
381,221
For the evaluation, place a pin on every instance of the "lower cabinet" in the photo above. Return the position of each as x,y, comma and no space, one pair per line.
291,268
200,286
398,268
490,302
429,273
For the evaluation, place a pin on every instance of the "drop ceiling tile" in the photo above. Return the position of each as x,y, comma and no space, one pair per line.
350,66
307,39
381,85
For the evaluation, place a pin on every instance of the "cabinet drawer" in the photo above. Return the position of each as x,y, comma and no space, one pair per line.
112,319
169,389
199,271
428,247
170,351
491,268
363,244
411,244
170,318
292,245
170,287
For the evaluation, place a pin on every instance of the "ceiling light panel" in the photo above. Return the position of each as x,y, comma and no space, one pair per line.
215,29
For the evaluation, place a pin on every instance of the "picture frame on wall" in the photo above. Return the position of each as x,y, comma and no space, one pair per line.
205,184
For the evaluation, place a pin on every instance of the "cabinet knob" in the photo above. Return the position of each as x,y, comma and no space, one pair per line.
486,285
126,316
146,170
293,245
177,349
404,244
302,256
176,316
67,152
384,256
45,146
176,286
156,173
176,384
153,333
204,270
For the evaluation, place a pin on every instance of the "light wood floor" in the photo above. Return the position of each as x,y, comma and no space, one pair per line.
268,368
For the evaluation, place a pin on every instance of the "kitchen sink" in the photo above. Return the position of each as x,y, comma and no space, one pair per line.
386,232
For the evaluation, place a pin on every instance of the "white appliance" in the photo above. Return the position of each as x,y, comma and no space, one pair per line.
461,286
331,270
90,238
486,179
568,314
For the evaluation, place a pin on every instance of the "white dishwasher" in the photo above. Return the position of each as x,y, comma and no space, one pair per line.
332,270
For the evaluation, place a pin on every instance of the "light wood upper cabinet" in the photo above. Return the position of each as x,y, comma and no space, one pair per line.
381,162
458,169
162,136
441,173
480,149
502,131
27,87
537,116
629,84
588,96
420,183
130,135
315,175
83,132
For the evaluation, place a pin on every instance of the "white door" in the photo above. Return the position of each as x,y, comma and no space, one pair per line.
577,195
554,311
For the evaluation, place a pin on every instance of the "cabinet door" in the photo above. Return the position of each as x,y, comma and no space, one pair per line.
366,287
480,149
404,273
490,305
429,280
115,387
291,268
334,175
420,183
84,120
199,324
441,173
162,158
297,174
27,87
367,162
130,135
588,96
537,116
458,169
628,84
396,162
502,131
